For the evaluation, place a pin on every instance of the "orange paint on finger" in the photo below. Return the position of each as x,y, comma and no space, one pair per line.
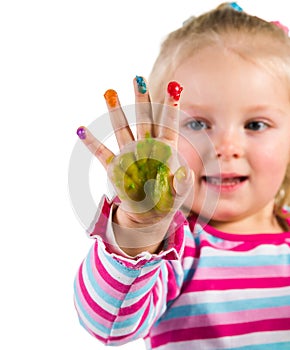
111,98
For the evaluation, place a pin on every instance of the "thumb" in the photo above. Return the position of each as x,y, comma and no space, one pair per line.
183,180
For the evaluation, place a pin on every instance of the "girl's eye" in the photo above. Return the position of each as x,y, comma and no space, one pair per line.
197,125
256,126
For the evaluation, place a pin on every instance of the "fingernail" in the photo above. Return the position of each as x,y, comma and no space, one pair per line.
111,97
174,89
181,174
81,132
142,88
235,6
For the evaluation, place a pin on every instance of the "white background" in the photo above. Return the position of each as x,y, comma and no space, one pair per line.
57,59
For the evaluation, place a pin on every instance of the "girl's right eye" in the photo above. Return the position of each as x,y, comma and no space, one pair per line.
197,125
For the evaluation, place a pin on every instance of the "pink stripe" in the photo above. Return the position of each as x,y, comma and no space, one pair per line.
240,283
103,282
223,319
268,238
145,300
142,281
126,311
241,272
112,282
96,262
90,301
237,246
189,251
129,336
96,317
220,331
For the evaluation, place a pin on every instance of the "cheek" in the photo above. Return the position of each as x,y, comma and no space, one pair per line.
271,163
190,154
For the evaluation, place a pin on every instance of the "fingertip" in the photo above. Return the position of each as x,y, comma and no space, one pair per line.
174,90
111,98
184,173
82,132
183,180
141,84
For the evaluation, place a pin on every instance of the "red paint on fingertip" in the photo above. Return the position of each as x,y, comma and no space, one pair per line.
174,89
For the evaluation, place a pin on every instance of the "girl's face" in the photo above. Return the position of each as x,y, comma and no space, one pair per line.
235,135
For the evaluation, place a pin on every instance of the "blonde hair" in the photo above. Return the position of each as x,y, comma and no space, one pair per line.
238,32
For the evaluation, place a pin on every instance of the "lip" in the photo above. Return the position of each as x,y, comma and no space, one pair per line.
225,182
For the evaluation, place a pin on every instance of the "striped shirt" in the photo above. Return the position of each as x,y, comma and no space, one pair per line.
208,290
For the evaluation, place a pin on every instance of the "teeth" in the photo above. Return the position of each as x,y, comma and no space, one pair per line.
225,181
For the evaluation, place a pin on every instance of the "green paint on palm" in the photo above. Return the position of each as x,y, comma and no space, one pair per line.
149,162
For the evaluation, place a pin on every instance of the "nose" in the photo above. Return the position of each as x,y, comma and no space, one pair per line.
228,145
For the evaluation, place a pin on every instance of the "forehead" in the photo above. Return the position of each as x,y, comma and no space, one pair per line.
220,71
257,48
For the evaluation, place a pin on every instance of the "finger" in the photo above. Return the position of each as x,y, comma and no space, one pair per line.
169,127
144,116
183,180
119,121
103,154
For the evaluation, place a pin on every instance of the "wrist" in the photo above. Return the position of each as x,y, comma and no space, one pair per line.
138,233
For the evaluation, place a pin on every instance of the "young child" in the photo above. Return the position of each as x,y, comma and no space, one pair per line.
200,258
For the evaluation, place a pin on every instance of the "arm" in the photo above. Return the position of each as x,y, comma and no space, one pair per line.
118,298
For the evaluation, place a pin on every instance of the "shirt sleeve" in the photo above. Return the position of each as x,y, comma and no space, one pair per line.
117,297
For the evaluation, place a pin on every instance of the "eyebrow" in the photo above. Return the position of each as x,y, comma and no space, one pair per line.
249,109
264,108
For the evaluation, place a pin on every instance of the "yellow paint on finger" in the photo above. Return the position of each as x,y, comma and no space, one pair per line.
109,160
147,135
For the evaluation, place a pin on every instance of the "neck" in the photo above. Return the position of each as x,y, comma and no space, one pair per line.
265,221
249,227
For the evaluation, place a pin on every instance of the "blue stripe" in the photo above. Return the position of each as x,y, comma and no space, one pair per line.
245,261
141,331
188,274
130,272
145,326
97,288
105,295
98,326
132,320
126,271
142,291
225,307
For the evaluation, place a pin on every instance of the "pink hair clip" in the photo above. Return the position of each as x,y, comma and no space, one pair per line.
282,26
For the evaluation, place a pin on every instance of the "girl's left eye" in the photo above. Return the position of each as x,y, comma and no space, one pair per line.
256,125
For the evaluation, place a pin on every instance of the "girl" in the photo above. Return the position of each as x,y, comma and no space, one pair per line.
194,252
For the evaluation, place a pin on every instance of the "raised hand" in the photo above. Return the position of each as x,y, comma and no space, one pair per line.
148,174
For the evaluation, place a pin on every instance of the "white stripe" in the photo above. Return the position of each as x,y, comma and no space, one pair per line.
88,324
120,274
116,274
231,295
160,291
187,263
98,300
222,273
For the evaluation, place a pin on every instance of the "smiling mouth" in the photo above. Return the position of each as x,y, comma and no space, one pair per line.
224,180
